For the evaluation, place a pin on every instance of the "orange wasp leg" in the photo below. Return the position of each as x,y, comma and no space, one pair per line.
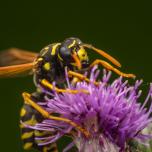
110,67
28,100
80,76
50,86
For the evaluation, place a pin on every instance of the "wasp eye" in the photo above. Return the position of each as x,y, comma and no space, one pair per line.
64,52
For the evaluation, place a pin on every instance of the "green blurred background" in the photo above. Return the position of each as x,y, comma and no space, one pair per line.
121,28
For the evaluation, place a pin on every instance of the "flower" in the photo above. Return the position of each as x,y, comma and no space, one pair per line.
111,113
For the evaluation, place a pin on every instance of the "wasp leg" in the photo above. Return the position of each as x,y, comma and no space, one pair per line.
80,77
110,67
28,100
50,86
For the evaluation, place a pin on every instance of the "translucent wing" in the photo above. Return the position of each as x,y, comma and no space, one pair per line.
14,56
16,70
16,62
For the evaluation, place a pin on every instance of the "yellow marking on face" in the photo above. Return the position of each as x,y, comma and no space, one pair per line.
47,66
72,44
27,135
54,48
28,145
23,112
82,54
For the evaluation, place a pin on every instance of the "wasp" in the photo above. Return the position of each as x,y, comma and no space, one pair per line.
49,66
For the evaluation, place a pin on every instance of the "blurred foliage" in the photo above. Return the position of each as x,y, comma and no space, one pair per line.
138,147
122,28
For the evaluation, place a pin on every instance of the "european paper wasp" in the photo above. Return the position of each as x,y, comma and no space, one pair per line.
46,67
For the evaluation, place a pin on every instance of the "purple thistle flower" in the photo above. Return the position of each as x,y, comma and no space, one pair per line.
111,112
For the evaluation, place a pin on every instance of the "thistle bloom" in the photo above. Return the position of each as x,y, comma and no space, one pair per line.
111,113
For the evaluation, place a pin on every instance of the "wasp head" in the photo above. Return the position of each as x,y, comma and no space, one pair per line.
71,53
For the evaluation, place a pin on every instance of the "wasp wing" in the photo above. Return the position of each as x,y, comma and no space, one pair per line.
14,56
16,62
16,70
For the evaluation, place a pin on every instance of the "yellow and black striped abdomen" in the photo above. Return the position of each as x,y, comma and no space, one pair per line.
30,116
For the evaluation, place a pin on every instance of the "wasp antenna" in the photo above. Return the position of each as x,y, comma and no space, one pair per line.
104,54
15,70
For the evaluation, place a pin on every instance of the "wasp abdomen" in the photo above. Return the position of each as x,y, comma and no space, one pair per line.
29,117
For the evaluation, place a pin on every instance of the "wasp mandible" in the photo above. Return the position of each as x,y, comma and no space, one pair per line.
46,67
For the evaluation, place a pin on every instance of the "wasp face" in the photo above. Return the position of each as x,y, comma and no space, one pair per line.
73,54
83,57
